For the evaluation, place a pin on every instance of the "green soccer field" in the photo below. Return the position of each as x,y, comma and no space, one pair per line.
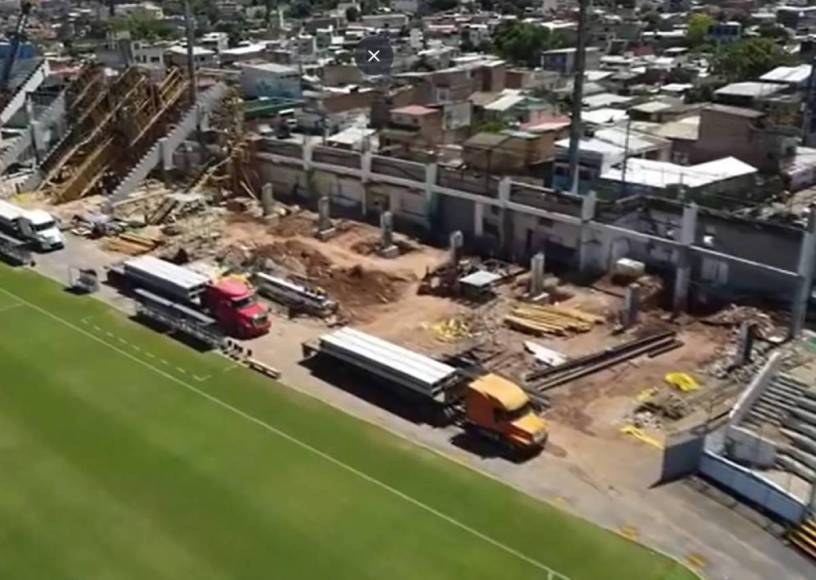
124,454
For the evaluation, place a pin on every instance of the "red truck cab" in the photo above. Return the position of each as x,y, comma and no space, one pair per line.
235,305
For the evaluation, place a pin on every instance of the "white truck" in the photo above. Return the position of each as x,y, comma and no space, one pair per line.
34,226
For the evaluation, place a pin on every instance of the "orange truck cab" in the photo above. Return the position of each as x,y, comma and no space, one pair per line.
235,305
502,410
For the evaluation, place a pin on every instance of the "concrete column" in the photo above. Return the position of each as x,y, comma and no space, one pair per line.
537,274
745,343
267,199
387,247
504,190
323,213
166,154
478,218
807,264
365,166
307,155
682,279
631,306
457,240
585,235
431,172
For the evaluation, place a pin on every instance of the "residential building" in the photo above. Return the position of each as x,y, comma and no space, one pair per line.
177,56
510,151
727,177
745,134
562,60
390,20
266,79
215,41
746,94
724,32
413,128
802,19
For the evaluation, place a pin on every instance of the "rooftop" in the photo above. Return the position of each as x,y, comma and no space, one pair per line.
749,89
505,103
788,74
605,100
736,111
662,174
414,110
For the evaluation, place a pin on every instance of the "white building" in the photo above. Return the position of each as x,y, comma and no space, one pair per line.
216,41
177,55
270,80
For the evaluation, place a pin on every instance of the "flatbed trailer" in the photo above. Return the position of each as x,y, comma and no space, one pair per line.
489,405
297,297
15,251
160,277
405,372
179,318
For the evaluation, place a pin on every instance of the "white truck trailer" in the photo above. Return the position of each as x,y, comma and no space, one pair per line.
34,226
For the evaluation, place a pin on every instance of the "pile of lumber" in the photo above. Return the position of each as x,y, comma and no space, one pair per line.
559,320
132,244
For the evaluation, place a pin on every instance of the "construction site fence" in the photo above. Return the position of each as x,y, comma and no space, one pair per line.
756,489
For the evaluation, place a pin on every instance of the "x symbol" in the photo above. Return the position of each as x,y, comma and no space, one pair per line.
374,56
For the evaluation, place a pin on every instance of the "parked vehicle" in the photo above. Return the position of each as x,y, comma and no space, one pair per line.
34,226
229,301
489,405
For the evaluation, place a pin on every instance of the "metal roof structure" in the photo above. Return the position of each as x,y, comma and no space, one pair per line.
156,268
405,362
662,174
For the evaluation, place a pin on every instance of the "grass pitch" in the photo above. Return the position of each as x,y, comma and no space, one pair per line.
124,454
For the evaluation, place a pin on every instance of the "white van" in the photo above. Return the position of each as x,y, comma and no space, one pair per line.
30,225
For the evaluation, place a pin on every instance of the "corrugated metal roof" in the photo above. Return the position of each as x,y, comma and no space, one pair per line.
400,359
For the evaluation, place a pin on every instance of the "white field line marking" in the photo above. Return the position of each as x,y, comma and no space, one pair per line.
8,307
552,574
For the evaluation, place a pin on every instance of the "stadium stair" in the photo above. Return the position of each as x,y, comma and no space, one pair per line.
207,102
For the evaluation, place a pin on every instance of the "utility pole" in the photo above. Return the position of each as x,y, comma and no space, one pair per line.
625,157
191,69
576,128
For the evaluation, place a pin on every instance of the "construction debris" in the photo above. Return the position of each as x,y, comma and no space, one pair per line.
682,382
545,355
544,379
451,330
539,319
132,244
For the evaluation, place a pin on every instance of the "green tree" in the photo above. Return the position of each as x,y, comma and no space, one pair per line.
750,58
145,27
352,14
698,25
522,43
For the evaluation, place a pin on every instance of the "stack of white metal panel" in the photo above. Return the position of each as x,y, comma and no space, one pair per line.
396,364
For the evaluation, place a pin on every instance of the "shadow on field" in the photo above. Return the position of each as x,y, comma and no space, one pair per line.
489,449
184,339
369,388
